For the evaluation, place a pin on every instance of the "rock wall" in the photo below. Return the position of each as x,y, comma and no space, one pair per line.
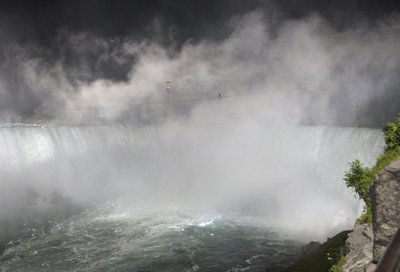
366,244
358,249
385,194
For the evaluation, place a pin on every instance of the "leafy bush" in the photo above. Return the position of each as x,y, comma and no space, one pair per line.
392,134
360,178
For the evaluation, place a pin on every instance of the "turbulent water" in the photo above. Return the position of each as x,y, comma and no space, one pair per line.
226,198
126,237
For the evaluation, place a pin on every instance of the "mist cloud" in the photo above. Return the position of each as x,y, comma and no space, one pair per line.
304,67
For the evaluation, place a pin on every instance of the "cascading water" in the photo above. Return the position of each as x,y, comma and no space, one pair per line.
175,198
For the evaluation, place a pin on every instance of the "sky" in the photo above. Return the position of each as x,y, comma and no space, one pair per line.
192,19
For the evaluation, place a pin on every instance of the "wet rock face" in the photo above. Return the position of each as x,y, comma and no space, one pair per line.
359,248
385,195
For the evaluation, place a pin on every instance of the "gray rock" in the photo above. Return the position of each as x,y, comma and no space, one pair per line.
385,196
359,248
371,267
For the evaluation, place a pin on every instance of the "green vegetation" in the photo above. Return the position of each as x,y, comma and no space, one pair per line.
338,267
392,134
360,178
326,257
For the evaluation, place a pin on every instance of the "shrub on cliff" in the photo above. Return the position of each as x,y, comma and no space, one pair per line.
391,132
360,178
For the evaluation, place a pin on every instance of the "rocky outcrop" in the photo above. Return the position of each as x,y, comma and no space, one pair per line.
317,257
358,248
385,195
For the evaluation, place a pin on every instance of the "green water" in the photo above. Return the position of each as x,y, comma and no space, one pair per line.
130,237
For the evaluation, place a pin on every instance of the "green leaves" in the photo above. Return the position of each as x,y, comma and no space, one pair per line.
338,267
358,178
392,134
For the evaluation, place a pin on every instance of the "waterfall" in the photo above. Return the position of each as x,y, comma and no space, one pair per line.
289,176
